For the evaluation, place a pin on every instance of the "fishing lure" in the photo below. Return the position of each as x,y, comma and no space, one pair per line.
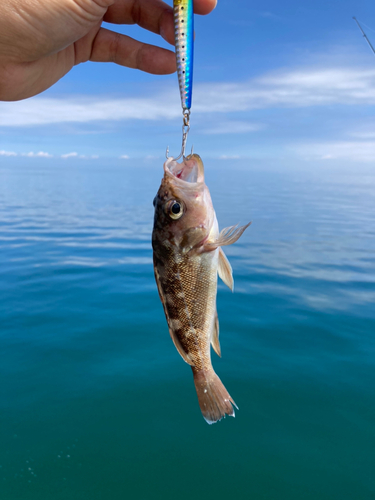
184,41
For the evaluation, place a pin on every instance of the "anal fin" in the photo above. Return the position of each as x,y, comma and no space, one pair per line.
215,336
225,270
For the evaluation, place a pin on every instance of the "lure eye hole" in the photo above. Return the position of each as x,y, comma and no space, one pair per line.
175,209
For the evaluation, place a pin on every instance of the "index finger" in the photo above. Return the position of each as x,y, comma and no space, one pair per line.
154,15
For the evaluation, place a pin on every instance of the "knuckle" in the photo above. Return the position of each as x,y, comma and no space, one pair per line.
115,47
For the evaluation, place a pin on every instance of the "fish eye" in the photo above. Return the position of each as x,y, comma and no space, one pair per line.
175,209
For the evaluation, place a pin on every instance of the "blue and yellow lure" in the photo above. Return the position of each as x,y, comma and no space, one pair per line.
184,40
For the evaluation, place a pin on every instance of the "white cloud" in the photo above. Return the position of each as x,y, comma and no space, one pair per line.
69,155
74,154
7,153
302,87
369,134
232,127
229,157
125,157
41,154
356,151
42,110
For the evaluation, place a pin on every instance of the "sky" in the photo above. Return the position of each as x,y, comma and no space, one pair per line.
281,83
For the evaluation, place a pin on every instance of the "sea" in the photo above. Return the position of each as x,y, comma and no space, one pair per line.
95,401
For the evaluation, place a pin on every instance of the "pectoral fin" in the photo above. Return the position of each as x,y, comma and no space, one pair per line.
225,269
227,236
174,337
215,336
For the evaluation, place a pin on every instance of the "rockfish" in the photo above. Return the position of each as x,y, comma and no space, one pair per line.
187,259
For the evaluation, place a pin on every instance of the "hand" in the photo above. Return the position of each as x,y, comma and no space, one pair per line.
41,40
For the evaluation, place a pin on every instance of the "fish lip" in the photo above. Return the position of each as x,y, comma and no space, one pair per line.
177,169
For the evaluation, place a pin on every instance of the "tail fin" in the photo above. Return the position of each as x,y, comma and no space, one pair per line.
214,400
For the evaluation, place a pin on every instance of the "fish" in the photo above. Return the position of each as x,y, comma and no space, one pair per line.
188,257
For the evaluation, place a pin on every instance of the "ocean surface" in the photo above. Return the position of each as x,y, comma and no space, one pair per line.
96,403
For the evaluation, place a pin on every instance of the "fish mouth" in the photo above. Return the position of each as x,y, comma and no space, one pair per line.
190,170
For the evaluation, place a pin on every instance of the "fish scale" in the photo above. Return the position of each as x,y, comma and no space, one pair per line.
191,280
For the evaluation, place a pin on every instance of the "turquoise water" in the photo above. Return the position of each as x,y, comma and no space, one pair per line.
95,401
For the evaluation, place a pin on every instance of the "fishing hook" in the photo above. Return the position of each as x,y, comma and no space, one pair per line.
185,132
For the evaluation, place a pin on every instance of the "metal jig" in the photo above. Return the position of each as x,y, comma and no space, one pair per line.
184,42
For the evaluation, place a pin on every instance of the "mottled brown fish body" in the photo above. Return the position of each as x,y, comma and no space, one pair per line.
187,259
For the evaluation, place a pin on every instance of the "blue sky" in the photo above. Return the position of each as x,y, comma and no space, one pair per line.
289,83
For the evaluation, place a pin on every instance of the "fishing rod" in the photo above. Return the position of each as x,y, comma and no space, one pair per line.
364,34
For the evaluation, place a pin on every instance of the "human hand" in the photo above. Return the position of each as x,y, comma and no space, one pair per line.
41,40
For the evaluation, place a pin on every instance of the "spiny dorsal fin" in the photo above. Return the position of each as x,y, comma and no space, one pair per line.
225,269
227,236
215,336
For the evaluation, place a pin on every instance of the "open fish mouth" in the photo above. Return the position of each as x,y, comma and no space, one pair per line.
190,170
